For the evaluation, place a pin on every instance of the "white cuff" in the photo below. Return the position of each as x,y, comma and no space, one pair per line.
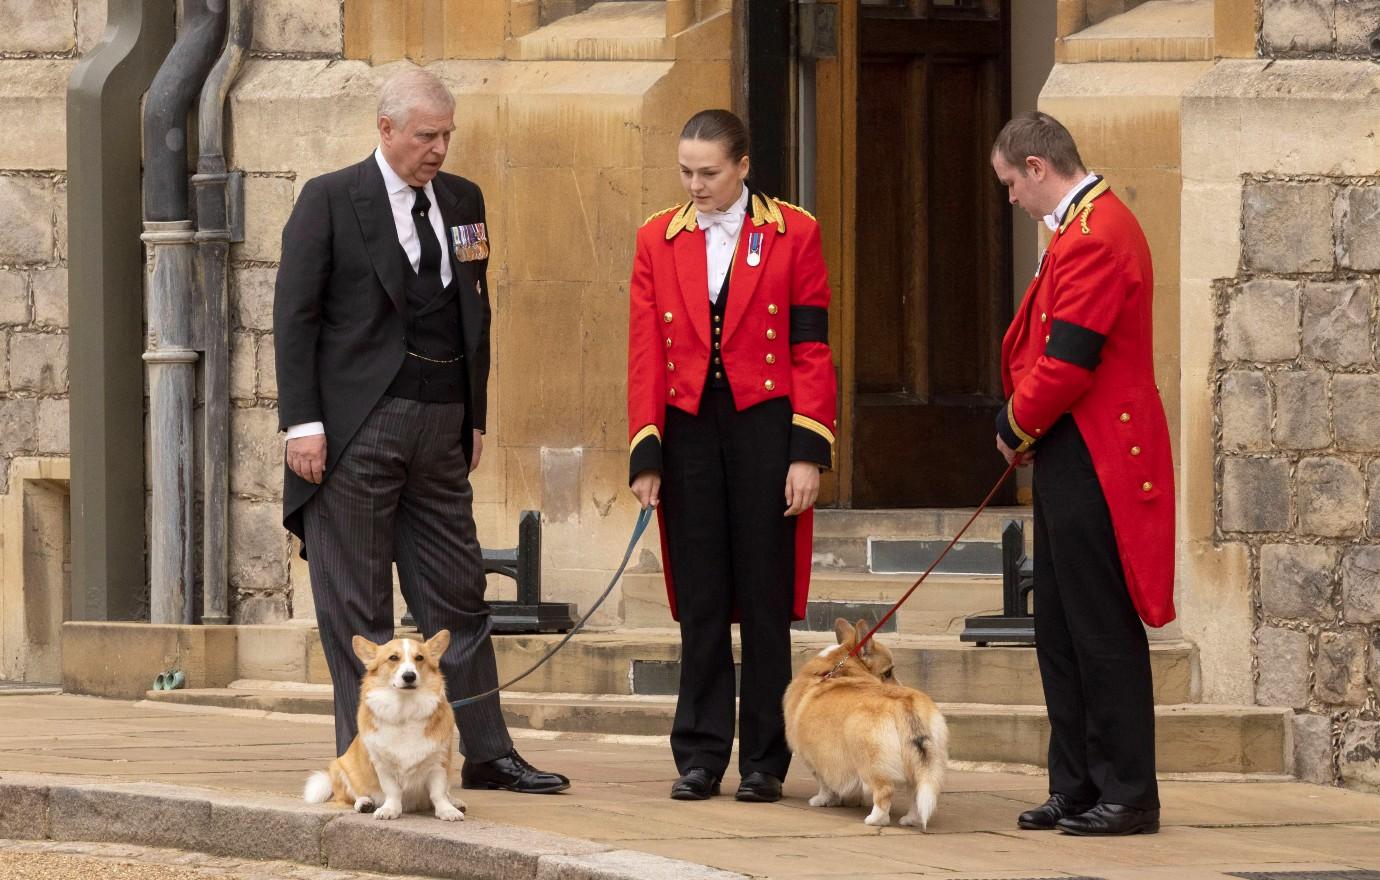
306,429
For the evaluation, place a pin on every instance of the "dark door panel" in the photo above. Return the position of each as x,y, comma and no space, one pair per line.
933,259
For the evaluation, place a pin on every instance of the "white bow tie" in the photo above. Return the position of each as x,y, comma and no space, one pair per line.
731,221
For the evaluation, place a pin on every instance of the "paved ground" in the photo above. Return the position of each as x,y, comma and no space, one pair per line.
49,860
619,797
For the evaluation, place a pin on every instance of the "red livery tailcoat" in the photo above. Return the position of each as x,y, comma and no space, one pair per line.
774,340
1082,343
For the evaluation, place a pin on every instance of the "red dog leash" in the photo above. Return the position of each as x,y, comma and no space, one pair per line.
1001,481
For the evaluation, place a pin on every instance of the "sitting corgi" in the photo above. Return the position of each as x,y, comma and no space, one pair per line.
400,760
861,732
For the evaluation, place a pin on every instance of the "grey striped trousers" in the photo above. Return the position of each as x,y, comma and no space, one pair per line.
401,491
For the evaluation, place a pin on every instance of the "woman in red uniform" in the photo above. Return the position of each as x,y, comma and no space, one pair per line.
731,417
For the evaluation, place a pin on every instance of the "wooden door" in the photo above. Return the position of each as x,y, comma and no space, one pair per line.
933,261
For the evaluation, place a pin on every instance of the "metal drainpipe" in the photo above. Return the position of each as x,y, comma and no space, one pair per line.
214,233
171,354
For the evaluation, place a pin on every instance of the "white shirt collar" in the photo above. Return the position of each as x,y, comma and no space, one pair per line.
1054,220
732,214
391,181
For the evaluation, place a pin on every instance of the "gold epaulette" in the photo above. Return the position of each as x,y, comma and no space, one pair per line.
798,208
685,220
1084,208
652,217
1083,218
765,210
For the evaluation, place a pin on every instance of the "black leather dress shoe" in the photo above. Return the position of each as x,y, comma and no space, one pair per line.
1111,820
759,787
511,773
696,785
1048,814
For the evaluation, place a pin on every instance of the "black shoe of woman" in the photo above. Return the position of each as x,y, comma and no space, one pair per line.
696,785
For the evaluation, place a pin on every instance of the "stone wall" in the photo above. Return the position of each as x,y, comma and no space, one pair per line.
1320,29
1280,489
40,41
1298,400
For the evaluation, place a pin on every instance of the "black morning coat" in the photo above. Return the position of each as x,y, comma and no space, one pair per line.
339,310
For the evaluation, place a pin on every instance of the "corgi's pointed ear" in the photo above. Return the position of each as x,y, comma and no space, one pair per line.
843,630
859,633
437,644
364,649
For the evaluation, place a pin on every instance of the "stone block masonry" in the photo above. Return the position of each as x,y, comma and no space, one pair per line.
1297,446
1319,28
33,318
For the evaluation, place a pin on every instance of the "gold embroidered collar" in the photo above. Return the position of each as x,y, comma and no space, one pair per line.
762,210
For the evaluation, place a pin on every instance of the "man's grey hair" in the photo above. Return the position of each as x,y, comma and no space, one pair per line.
412,89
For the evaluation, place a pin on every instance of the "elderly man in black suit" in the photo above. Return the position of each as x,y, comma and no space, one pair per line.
381,329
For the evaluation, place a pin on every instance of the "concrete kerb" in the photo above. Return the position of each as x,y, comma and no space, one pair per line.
37,807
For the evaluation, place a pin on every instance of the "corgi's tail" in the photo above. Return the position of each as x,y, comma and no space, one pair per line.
931,740
318,789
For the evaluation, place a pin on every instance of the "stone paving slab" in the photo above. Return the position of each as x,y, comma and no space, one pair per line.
78,767
282,829
65,860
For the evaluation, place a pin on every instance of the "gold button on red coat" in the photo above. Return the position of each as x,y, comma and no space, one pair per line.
1135,450
771,334
1146,486
667,317
771,309
672,392
1043,317
670,366
771,358
668,342
1126,417
769,385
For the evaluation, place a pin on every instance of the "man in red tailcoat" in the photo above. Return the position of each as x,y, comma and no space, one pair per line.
1082,405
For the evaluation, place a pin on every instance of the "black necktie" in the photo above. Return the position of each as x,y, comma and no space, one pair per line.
430,263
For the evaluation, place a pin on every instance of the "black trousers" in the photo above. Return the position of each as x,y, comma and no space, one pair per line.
1093,654
401,492
731,552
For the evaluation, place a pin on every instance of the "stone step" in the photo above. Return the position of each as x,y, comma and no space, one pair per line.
615,30
643,660
938,607
646,662
1189,738
889,541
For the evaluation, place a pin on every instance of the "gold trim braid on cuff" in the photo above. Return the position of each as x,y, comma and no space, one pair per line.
811,425
1026,440
649,431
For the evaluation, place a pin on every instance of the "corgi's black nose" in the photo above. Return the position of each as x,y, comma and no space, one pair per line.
409,676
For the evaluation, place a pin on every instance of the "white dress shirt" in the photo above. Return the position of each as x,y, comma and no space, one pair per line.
1054,220
721,230
401,198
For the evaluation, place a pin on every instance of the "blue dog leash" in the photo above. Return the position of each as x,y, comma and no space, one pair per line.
643,519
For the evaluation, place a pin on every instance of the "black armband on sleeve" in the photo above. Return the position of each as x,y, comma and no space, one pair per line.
1076,345
809,324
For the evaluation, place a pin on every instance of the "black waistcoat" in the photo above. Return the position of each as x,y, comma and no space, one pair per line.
718,377
434,369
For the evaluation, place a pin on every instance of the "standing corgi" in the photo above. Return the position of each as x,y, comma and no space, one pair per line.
400,760
861,732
